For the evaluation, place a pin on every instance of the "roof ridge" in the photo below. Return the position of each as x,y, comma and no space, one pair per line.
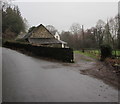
35,29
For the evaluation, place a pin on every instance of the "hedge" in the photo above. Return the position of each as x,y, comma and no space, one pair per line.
63,54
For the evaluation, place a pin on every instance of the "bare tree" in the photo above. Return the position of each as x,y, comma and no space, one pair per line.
118,34
113,26
67,37
52,29
100,24
100,27
26,24
75,28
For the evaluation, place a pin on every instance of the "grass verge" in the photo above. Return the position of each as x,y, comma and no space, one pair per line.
87,54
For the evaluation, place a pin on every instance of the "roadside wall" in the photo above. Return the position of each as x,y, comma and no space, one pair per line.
62,54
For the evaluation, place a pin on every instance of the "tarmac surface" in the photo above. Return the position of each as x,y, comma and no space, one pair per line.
28,79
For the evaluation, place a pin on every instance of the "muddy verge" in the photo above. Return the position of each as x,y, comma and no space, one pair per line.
95,68
104,72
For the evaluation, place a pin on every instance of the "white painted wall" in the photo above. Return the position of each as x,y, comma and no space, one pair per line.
57,36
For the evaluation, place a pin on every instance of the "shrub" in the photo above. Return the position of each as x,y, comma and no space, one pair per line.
106,51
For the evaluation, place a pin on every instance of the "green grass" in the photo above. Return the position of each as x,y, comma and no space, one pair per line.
117,52
87,54
95,53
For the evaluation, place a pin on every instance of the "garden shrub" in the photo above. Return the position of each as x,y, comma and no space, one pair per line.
106,51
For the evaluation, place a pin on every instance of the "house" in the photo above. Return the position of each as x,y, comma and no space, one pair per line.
40,36
57,36
64,44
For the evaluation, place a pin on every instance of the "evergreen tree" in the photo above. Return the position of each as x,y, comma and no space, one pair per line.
12,20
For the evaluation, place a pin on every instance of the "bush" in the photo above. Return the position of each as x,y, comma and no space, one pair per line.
106,51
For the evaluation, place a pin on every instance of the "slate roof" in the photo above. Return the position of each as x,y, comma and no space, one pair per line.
45,41
35,29
42,40
27,35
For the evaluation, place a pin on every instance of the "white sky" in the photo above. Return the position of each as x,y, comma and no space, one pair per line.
63,14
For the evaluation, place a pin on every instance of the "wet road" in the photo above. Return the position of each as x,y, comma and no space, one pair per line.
27,79
0,74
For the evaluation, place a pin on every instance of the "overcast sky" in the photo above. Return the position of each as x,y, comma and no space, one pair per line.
63,14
